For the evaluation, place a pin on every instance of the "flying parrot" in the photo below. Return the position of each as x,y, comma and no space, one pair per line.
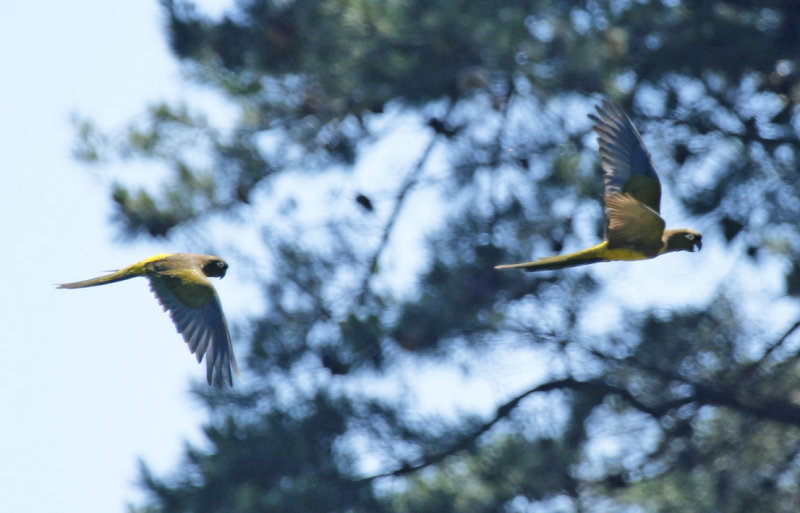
634,228
181,285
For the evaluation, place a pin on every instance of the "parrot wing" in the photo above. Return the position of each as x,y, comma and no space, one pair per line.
633,225
627,166
195,308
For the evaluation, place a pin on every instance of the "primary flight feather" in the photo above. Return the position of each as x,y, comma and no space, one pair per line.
181,285
634,228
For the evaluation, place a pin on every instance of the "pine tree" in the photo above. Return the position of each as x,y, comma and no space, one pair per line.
376,159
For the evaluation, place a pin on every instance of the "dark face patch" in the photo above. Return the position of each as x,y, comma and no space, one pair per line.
215,268
685,240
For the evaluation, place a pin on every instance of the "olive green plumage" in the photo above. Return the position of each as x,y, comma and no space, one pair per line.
181,285
634,228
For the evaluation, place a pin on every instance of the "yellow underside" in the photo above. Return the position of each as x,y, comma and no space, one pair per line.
601,251
624,254
139,268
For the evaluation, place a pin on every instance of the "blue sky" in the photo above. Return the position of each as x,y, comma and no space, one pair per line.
93,379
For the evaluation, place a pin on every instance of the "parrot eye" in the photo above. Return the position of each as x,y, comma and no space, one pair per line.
690,236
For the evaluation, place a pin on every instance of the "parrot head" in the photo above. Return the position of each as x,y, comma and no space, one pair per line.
215,267
683,240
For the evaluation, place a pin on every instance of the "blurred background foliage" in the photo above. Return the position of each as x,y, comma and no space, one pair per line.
374,160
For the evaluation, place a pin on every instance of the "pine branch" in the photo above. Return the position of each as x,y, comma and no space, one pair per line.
504,411
748,370
720,394
411,180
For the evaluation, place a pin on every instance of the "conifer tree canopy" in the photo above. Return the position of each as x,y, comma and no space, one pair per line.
368,164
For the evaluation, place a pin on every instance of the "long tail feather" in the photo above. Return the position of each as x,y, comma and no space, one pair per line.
123,274
587,256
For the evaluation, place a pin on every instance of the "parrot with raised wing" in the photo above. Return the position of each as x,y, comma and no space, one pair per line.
634,228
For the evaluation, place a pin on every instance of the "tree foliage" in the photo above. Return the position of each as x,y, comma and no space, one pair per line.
665,407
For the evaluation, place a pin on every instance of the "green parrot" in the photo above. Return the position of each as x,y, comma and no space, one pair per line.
634,228
180,282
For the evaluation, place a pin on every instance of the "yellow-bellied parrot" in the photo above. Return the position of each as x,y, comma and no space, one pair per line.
180,282
634,228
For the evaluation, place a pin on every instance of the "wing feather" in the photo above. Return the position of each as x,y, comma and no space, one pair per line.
195,309
633,225
627,165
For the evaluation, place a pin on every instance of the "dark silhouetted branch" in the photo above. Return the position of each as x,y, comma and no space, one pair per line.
720,394
504,410
748,370
411,180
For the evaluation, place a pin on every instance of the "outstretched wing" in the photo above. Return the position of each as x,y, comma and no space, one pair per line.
194,306
633,225
627,166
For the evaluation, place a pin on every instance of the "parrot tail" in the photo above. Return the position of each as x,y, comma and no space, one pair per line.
127,273
587,256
